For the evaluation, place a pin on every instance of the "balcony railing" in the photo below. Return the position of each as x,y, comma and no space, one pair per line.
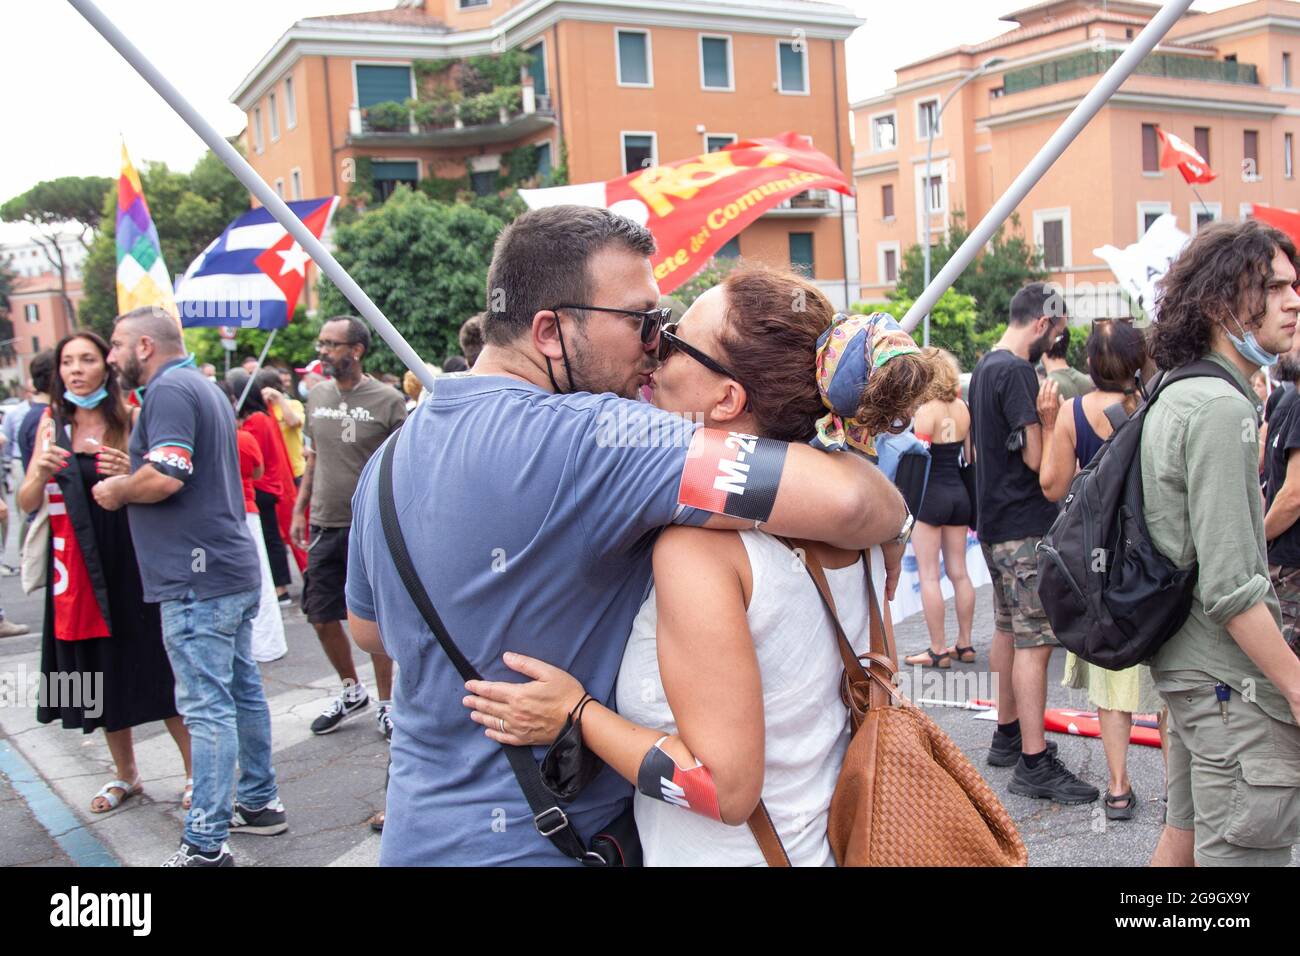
500,107
1093,63
811,202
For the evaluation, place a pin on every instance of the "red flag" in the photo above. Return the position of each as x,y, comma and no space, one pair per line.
1178,152
1288,220
694,206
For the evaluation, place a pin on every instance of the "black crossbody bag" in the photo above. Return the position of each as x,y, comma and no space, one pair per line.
617,844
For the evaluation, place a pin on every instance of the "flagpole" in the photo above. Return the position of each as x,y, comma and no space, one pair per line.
1143,44
1204,208
258,187
253,374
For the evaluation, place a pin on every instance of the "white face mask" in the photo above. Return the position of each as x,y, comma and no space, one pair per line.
302,389
1249,348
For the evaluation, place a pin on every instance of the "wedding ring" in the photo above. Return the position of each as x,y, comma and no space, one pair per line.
502,722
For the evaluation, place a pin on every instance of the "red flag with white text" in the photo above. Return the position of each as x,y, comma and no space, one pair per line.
1176,151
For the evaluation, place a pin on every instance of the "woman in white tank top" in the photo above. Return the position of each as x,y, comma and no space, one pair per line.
729,686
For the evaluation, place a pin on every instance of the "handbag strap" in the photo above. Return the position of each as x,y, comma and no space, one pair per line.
550,821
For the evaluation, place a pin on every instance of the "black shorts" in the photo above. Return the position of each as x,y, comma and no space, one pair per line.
945,503
323,599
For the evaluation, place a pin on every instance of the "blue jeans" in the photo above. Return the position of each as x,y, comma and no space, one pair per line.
219,693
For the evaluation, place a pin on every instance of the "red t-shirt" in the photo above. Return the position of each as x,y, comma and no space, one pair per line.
277,479
250,459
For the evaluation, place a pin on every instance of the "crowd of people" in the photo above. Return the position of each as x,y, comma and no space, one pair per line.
646,614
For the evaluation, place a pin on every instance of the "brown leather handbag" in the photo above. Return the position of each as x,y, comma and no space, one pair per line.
907,796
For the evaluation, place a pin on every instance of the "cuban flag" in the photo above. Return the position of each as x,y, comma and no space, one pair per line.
252,274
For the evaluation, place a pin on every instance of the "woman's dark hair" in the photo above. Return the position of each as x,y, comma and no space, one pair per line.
253,403
1116,353
1222,275
113,408
774,318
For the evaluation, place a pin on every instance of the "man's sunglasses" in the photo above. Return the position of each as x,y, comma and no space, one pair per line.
669,342
651,319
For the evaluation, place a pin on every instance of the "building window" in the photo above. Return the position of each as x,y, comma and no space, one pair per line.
386,175
484,182
1201,135
890,271
731,250
634,66
537,67
715,63
1250,155
1052,236
887,201
32,312
792,63
290,104
1202,214
295,183
279,188
1286,70
801,253
638,151
1150,149
383,84
935,194
884,132
927,118
1148,213
257,129
716,141
471,4
36,343
275,117
544,160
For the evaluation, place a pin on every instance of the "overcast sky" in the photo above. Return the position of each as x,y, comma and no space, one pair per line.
67,95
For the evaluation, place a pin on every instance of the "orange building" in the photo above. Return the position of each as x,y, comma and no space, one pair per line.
369,100
39,316
1227,82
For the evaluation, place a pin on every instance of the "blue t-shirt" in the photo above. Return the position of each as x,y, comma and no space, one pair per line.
196,539
31,423
530,518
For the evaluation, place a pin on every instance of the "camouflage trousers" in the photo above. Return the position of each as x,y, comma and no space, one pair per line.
1286,582
1013,565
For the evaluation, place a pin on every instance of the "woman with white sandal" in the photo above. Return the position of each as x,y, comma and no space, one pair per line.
100,637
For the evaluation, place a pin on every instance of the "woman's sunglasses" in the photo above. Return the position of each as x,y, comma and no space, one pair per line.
670,342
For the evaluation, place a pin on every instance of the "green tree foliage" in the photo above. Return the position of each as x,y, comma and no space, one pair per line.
294,345
712,273
189,210
1008,262
952,325
56,202
7,279
424,263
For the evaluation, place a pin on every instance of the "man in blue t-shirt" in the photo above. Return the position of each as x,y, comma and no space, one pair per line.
529,493
186,510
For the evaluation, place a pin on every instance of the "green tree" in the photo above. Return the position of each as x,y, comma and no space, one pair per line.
1008,262
712,273
6,326
294,345
424,263
952,325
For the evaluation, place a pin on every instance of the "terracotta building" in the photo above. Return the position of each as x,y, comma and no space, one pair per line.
39,316
1227,82
369,100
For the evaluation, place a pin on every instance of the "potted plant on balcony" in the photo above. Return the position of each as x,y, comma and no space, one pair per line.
509,101
436,112
387,116
479,110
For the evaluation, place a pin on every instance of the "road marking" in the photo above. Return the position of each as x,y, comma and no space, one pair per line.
52,813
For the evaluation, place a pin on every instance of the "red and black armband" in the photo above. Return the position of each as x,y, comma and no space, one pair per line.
733,474
173,459
691,789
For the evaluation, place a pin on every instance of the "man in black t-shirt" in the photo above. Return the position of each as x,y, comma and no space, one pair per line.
1282,494
1013,516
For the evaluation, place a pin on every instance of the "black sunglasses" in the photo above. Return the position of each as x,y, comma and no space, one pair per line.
651,319
669,342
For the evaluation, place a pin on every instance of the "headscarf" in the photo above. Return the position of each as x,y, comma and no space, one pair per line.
847,353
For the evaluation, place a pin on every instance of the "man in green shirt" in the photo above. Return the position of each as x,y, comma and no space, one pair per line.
1070,382
1230,682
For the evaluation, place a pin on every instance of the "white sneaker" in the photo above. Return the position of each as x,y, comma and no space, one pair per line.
384,720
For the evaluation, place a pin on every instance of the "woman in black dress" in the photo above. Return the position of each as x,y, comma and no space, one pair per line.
97,624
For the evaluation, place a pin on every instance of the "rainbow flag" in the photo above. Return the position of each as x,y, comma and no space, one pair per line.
142,277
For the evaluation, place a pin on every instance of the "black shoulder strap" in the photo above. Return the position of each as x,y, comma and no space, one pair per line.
1201,368
1116,415
550,820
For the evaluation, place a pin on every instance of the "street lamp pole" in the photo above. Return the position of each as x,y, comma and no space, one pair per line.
925,187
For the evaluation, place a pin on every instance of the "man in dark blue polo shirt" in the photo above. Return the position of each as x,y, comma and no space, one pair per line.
198,561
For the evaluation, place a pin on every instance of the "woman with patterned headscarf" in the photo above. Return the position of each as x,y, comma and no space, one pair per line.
732,669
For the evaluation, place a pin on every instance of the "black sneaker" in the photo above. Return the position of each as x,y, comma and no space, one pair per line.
267,821
189,855
339,710
1005,751
1050,780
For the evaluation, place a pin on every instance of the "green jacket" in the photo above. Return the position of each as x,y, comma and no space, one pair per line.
1200,484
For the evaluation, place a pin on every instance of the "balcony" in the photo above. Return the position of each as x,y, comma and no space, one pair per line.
811,202
502,115
1094,63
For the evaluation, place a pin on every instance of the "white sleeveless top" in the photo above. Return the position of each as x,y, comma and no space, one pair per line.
806,723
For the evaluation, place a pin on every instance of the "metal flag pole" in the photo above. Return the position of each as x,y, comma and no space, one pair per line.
258,187
1204,208
1143,44
260,359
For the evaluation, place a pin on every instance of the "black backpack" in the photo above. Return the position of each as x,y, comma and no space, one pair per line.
1111,597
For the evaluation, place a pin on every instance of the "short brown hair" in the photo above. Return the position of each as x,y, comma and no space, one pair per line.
947,374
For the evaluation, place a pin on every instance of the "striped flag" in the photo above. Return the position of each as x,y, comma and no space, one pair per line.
252,274
142,277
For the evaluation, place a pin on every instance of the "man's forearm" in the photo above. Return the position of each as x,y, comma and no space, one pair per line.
304,489
147,486
1282,514
1257,634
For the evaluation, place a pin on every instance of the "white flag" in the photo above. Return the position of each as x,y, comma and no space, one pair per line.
1140,266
